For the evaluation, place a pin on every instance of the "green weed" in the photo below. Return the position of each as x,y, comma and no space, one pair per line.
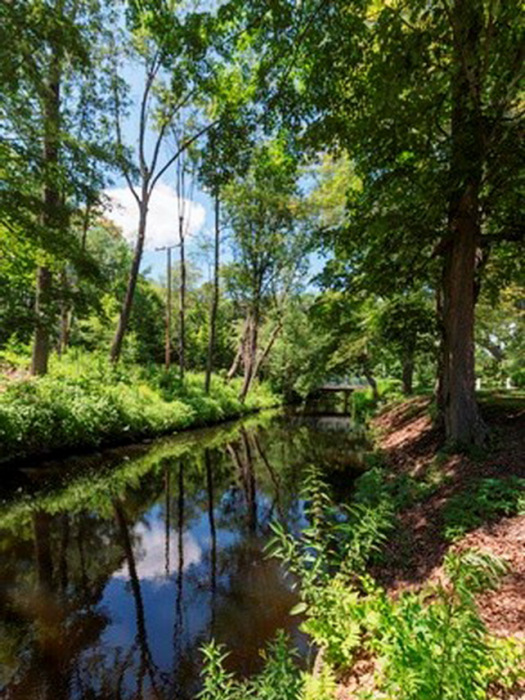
428,644
85,402
485,500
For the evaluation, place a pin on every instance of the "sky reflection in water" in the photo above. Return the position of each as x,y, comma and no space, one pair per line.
113,596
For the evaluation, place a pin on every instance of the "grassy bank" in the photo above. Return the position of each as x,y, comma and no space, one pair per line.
86,403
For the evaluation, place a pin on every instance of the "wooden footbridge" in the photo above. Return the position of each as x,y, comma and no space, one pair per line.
335,388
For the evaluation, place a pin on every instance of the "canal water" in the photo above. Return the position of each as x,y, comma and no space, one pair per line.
116,568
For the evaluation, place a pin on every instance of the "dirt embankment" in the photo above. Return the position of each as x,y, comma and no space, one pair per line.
411,446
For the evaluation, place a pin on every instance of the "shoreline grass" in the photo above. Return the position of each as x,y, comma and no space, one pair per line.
86,403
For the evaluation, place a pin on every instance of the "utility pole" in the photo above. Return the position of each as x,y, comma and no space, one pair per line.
167,351
215,298
182,293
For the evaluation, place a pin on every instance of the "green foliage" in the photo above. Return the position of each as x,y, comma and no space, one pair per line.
86,402
279,680
338,537
427,644
500,333
95,488
432,644
422,644
483,501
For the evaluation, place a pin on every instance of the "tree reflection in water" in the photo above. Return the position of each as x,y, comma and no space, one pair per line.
110,585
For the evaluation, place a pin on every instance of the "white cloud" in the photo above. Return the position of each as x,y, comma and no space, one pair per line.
163,215
150,554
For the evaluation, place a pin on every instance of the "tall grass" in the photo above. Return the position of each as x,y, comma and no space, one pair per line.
84,402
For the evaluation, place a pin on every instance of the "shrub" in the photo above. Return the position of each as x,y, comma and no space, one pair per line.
486,499
85,402
279,680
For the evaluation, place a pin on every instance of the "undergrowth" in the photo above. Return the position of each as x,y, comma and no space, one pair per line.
422,645
481,502
85,402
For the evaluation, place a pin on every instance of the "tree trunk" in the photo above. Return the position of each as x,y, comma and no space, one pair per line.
116,347
63,340
215,300
250,352
462,421
50,214
269,345
408,374
40,356
463,424
238,355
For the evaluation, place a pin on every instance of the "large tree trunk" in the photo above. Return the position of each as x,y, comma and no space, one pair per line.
462,421
116,347
50,214
215,300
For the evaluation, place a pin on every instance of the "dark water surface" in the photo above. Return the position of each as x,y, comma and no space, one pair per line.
116,568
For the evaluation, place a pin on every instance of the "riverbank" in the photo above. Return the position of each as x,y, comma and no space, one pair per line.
84,403
459,501
447,505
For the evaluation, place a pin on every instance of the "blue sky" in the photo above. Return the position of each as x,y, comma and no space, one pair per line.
163,212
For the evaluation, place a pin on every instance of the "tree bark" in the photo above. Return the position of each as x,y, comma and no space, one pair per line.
50,213
250,352
215,300
408,374
238,355
269,345
463,424
65,314
122,326
40,355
